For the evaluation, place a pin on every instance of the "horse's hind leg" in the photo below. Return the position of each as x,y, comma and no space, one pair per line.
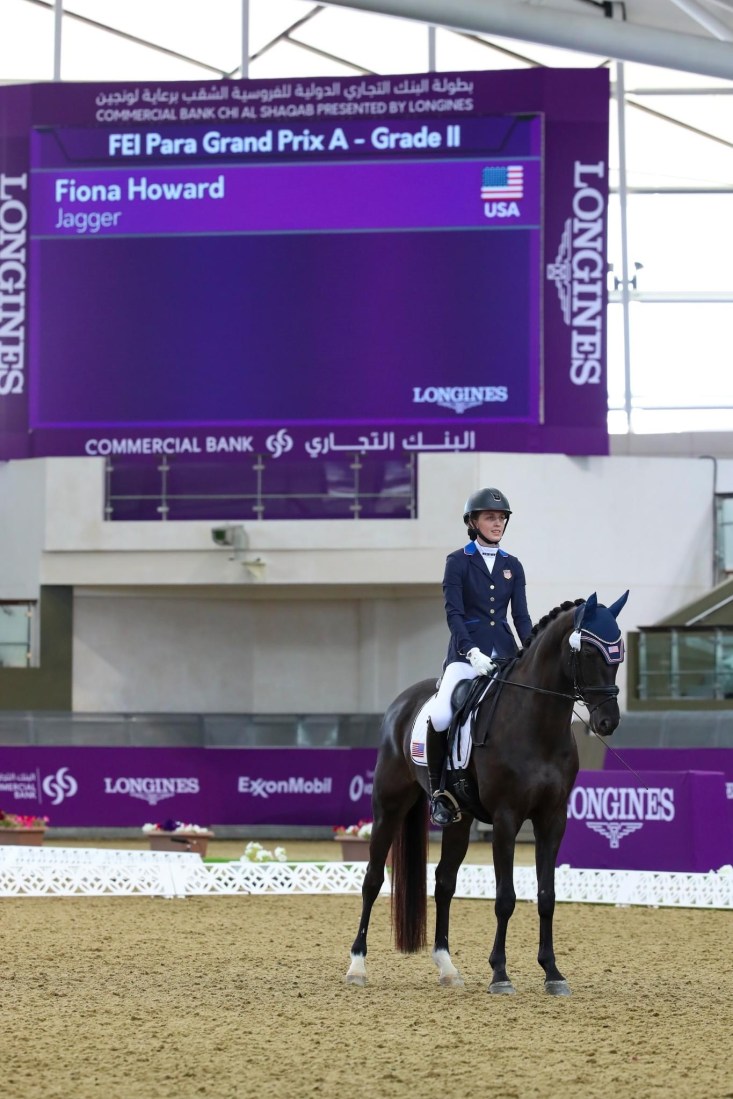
548,836
452,854
387,820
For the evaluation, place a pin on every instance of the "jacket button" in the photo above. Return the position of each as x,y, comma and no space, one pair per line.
492,623
492,586
491,600
491,611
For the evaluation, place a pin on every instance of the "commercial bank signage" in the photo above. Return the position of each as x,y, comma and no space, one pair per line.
129,787
299,268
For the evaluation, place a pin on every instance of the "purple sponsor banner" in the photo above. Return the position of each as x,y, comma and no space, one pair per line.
324,786
664,820
682,759
129,787
505,343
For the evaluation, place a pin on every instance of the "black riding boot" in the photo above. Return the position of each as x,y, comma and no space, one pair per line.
443,806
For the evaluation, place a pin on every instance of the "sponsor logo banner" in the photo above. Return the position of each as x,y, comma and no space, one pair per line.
118,787
662,821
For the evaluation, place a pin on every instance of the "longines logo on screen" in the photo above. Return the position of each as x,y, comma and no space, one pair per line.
618,811
151,790
458,398
13,237
579,272
263,787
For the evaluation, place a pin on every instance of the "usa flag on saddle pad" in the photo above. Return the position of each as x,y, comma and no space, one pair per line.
504,182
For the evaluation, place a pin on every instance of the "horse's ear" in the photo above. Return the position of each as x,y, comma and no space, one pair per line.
618,606
585,610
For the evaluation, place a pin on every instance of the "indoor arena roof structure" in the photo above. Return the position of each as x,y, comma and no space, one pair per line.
671,156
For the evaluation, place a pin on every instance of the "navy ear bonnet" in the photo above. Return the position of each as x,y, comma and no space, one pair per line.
598,625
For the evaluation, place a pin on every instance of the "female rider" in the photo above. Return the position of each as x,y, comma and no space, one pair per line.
481,582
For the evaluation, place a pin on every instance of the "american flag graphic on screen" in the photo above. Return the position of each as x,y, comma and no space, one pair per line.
502,183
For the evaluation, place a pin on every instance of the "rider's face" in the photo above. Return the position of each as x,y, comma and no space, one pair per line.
490,525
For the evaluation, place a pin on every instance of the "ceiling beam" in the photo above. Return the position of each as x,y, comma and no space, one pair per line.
553,27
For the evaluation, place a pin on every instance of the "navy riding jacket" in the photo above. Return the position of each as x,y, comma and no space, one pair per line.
477,603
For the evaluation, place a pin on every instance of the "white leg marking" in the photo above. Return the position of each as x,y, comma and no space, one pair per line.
448,975
356,974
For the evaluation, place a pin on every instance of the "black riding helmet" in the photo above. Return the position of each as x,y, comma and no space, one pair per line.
486,499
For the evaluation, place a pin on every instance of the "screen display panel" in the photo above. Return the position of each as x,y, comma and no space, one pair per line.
338,279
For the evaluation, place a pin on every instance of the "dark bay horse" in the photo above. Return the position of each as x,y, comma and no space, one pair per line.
523,766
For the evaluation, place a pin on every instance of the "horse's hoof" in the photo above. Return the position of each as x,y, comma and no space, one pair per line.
557,988
356,980
454,980
502,988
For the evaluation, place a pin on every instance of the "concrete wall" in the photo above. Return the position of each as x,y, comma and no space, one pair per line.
337,616
22,527
165,652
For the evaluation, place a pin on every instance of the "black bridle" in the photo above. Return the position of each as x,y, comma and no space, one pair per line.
580,689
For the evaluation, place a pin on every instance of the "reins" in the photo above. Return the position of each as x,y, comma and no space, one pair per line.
578,695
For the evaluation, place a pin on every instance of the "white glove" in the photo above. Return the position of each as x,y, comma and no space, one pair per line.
480,662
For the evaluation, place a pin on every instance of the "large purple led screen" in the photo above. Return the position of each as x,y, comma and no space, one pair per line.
186,265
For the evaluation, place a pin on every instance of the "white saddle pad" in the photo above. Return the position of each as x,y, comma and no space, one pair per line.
418,736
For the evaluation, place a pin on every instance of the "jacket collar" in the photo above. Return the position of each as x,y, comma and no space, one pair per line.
472,549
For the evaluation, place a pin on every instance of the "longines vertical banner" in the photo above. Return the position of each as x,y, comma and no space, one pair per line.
393,264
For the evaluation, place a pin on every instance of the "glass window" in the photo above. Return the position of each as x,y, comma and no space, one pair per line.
655,665
725,666
684,242
696,664
680,360
16,635
724,533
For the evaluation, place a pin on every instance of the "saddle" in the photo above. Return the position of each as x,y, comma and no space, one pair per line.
465,699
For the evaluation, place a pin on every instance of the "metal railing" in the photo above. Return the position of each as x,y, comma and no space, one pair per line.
351,486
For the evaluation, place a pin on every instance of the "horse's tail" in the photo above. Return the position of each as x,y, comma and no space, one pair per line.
409,884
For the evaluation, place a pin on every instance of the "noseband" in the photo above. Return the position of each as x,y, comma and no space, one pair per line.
580,689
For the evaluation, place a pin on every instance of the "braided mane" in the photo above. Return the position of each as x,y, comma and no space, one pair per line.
539,626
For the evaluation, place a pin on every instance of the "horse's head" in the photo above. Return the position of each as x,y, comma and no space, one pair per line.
596,649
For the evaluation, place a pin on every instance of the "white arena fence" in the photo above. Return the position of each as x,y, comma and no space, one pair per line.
95,872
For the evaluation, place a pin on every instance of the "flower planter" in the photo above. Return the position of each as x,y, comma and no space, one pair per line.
354,849
28,837
195,842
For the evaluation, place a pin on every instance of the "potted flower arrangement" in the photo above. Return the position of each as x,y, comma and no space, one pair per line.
175,835
354,840
255,852
18,829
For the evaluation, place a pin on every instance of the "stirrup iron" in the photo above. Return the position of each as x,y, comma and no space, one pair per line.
444,809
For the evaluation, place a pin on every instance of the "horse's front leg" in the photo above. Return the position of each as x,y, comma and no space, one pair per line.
504,839
548,836
452,853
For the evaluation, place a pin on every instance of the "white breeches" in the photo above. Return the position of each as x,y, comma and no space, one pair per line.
441,710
